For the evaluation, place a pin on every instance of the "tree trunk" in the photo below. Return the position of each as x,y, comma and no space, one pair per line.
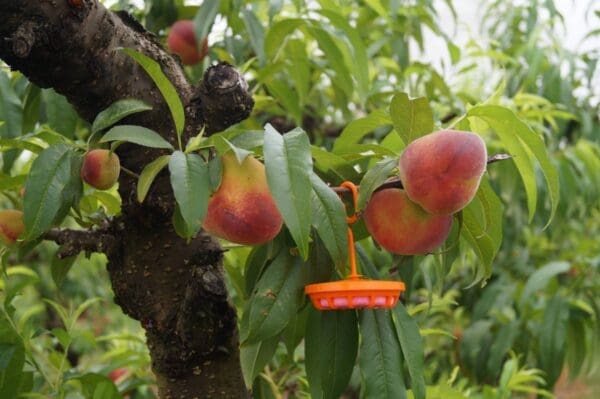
175,289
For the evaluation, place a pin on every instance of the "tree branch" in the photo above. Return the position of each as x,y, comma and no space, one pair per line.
394,182
73,242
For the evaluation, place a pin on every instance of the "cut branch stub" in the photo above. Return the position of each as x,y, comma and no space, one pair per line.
223,97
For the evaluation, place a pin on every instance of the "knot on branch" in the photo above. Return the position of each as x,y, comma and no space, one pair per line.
23,39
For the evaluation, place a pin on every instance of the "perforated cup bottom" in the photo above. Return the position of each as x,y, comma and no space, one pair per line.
355,294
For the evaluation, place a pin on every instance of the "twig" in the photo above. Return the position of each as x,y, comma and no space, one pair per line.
74,241
395,182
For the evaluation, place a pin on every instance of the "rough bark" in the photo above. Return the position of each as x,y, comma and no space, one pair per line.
175,289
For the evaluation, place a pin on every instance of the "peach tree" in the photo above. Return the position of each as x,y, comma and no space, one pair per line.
229,203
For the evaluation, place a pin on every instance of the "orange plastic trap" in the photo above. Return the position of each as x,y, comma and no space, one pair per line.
355,291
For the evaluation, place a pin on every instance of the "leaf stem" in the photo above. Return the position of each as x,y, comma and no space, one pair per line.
130,172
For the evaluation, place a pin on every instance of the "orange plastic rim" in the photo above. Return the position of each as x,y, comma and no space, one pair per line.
355,294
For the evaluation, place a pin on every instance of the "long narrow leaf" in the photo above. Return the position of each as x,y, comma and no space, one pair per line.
137,135
288,166
117,111
149,174
329,220
165,86
277,296
190,182
521,140
331,347
412,348
380,357
50,175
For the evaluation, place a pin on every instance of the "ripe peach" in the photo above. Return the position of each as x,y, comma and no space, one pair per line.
100,169
11,225
441,171
242,210
403,227
182,41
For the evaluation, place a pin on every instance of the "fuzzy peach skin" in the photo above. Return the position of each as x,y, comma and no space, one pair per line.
403,227
242,210
11,225
100,169
182,41
442,171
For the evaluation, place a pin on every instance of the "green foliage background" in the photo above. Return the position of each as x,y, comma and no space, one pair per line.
507,306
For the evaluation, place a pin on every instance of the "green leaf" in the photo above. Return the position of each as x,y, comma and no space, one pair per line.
215,173
137,135
277,296
111,202
31,108
73,191
205,17
63,337
335,57
60,267
378,7
21,144
330,351
329,219
11,375
380,357
521,141
359,128
223,145
249,139
482,228
553,337
334,165
256,34
50,175
374,178
287,96
117,111
97,386
503,342
295,330
255,263
288,165
165,86
12,182
539,280
148,175
191,186
412,118
412,348
60,114
359,64
298,68
11,114
81,308
197,142
277,34
254,358
180,225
